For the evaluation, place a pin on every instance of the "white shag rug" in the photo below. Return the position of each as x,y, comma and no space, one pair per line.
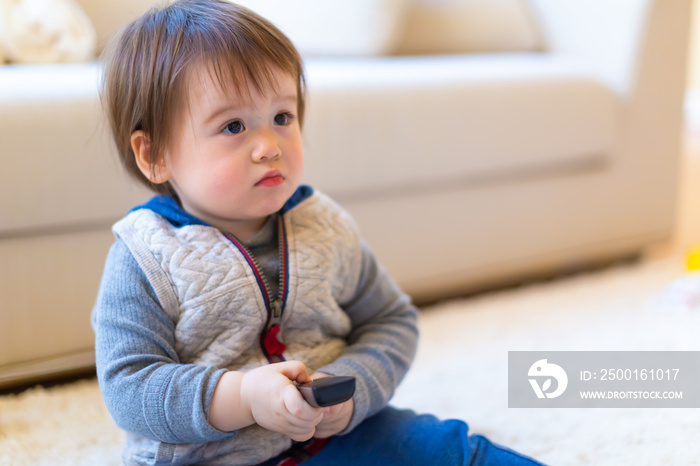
461,371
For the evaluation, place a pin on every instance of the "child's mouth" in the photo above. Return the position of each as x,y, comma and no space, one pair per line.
271,179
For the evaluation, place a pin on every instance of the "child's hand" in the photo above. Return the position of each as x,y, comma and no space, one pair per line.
336,418
276,404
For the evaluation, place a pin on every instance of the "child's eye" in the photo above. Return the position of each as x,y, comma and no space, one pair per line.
234,127
283,119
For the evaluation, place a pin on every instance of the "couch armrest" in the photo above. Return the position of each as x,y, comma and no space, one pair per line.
614,37
638,48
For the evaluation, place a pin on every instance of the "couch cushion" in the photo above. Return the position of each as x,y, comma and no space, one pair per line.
56,169
461,26
468,118
323,27
109,17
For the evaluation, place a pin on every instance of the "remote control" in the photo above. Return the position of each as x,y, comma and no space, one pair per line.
328,391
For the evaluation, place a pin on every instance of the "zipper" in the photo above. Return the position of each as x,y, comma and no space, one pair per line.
271,346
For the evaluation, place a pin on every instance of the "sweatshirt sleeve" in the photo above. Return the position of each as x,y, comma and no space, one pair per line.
383,341
146,389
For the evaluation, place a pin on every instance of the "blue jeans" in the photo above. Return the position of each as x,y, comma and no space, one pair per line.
401,437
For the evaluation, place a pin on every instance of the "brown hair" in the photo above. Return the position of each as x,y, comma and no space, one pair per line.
146,67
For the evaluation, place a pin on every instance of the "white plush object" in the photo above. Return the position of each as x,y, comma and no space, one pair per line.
459,26
45,31
324,28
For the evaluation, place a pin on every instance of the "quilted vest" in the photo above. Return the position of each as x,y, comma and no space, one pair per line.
210,290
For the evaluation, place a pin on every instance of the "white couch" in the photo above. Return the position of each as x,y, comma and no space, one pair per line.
475,142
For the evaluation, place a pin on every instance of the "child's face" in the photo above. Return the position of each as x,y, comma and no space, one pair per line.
235,160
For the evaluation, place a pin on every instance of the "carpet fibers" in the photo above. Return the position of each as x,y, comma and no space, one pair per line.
461,371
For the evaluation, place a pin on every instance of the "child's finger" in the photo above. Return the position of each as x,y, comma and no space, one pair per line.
301,436
332,411
294,370
299,408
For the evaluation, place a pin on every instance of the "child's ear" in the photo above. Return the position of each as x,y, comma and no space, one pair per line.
141,145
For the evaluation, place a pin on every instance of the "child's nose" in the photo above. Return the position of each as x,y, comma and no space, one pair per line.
266,146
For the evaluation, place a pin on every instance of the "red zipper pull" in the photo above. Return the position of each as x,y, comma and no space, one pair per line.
273,346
